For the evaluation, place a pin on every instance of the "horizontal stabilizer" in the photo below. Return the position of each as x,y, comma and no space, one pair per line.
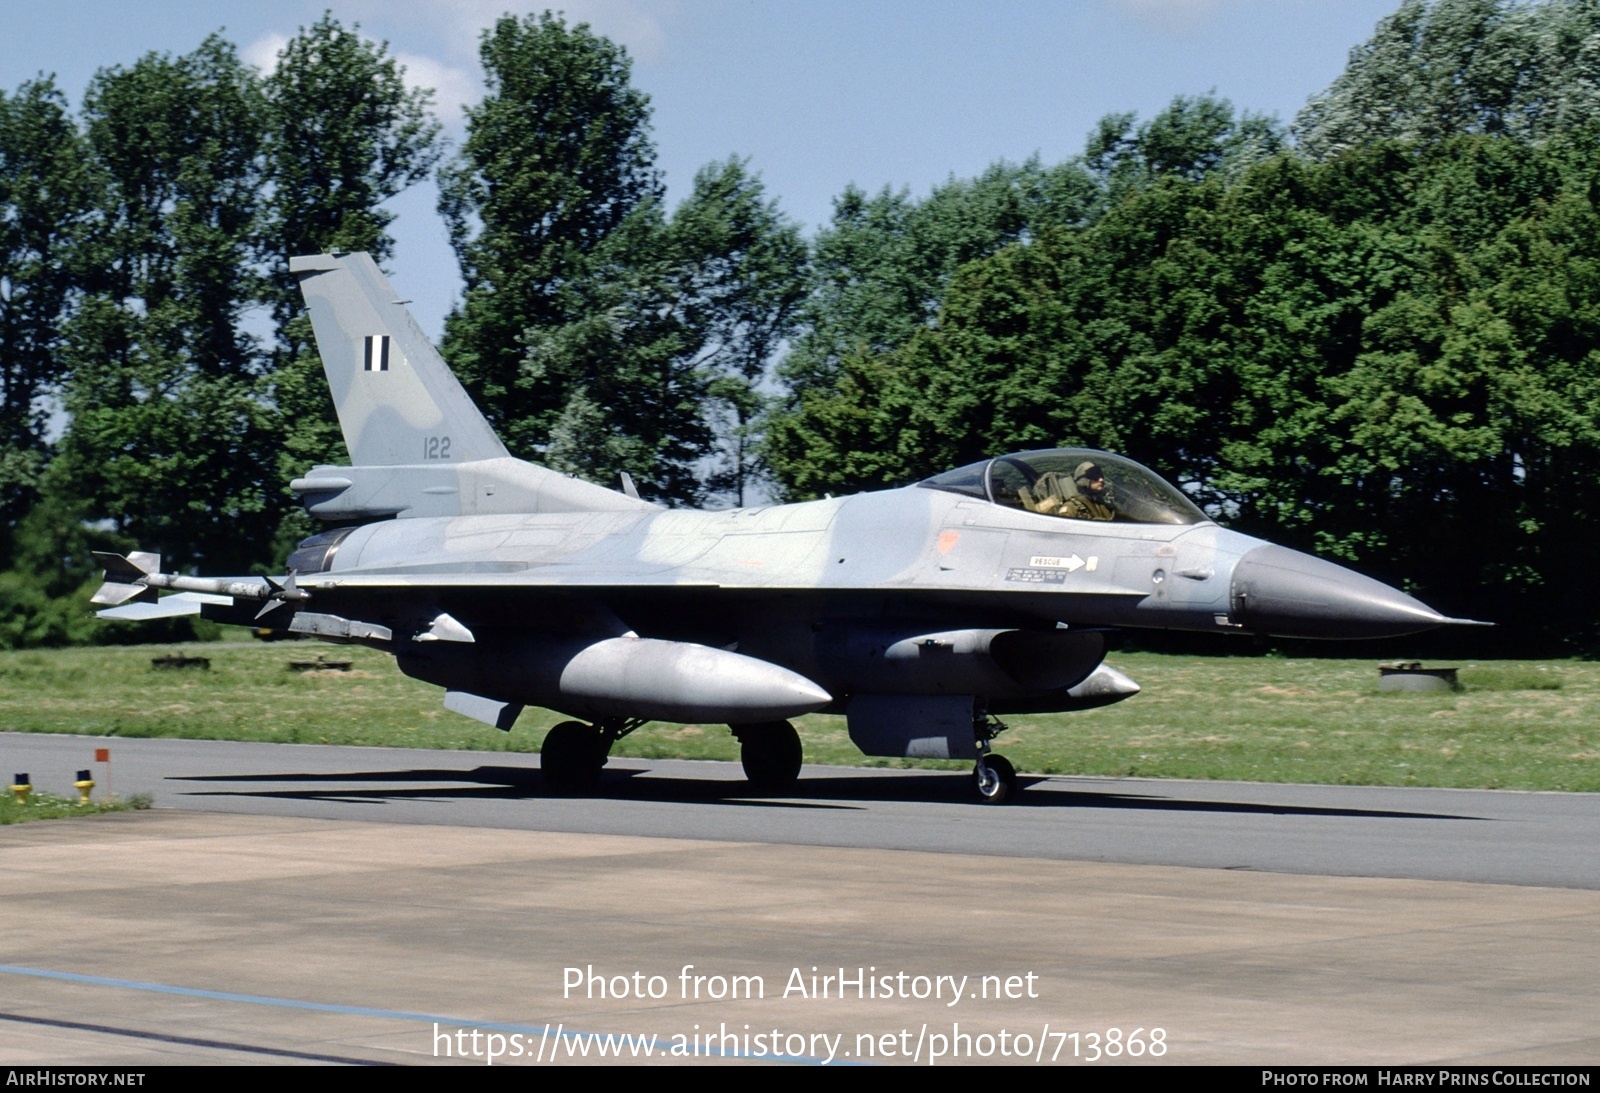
480,488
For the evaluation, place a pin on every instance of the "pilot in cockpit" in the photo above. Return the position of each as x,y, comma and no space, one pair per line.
1092,500
1085,498
1075,483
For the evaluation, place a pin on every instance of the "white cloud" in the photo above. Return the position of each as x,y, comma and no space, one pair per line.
451,68
638,25
1171,16
453,88
448,35
263,52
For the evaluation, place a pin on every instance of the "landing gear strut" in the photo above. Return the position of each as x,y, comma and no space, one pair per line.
994,778
770,752
573,753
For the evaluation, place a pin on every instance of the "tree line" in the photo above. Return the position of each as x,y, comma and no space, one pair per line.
1374,335
145,306
1371,333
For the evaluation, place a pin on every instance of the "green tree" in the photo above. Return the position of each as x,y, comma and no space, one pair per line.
557,158
343,135
623,367
1436,68
845,436
1194,137
879,270
601,334
675,321
46,191
739,284
169,435
1387,358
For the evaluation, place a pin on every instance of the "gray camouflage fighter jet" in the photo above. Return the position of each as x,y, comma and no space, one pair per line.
921,614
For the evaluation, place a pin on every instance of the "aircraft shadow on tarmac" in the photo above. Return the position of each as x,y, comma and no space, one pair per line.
833,791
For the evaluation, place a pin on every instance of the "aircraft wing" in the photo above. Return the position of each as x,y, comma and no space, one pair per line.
611,578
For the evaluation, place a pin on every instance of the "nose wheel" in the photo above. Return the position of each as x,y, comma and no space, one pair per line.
993,778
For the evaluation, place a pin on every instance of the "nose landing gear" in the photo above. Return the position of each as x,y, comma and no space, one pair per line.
993,778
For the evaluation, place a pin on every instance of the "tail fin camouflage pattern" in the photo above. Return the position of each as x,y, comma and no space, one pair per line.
419,445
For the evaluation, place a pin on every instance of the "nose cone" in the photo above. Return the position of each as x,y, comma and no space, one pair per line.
1284,593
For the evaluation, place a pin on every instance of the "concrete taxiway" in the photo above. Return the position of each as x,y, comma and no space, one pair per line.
254,932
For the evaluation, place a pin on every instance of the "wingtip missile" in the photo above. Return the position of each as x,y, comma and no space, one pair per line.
137,577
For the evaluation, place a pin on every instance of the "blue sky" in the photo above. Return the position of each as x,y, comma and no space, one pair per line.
815,93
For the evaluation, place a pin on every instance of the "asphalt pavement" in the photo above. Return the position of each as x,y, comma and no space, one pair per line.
287,904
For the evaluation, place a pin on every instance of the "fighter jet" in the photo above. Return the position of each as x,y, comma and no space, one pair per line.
922,614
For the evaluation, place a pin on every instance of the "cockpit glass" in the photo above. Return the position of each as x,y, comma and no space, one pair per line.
967,480
1072,484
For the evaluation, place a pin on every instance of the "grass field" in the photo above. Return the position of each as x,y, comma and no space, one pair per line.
1516,725
48,806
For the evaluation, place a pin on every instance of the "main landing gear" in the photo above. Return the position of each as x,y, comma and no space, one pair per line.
770,753
994,778
573,753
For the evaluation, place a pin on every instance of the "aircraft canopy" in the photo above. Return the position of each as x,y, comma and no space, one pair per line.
1072,484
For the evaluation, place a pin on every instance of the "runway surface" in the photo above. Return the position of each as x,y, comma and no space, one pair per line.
1550,839
1250,924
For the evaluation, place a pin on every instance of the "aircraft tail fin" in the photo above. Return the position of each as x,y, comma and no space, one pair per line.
398,402
418,445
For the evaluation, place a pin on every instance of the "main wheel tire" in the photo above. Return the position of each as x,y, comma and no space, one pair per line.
770,753
995,780
571,757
